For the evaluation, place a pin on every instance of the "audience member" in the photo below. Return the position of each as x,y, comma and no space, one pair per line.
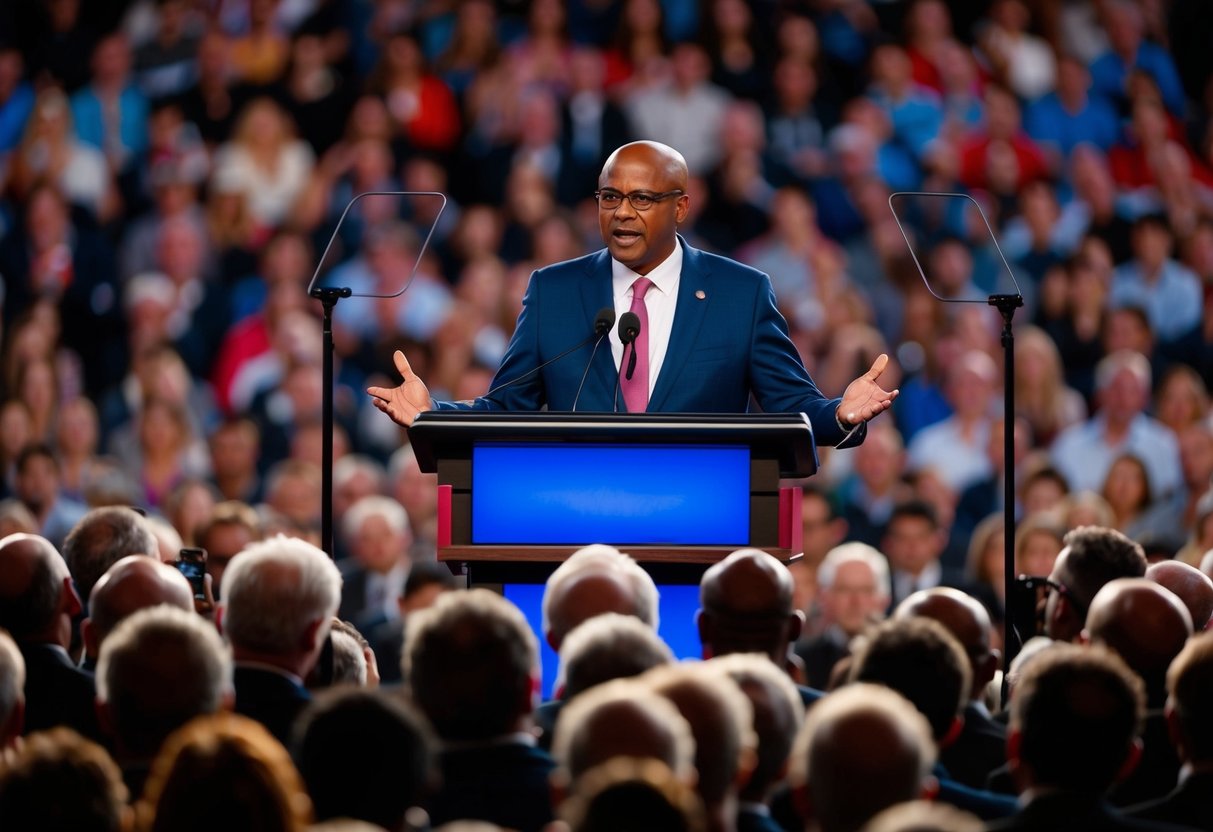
223,771
721,721
980,747
134,583
364,755
471,664
1075,719
378,538
638,795
1092,557
746,607
159,669
621,718
861,750
100,539
914,542
778,714
232,527
923,816
37,604
1190,585
36,485
1146,626
61,782
594,580
854,584
279,599
1189,683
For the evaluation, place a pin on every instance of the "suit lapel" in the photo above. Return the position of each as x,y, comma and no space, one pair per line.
689,312
595,294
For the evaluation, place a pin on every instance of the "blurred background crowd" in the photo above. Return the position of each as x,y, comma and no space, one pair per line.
171,170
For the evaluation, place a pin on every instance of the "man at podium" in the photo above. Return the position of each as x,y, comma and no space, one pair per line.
705,336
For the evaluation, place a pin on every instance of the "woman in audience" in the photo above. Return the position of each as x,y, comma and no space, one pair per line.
1041,394
1182,398
223,772
77,436
1127,490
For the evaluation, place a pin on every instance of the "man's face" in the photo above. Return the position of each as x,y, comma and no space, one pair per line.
820,533
38,483
222,543
911,543
854,599
377,546
641,239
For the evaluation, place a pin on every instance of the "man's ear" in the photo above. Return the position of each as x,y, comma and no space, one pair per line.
71,598
312,636
930,787
558,786
802,799
1084,637
953,733
11,730
1175,730
88,634
219,610
105,718
703,623
1132,758
795,626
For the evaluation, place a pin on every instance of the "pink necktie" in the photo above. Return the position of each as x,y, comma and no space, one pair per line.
636,391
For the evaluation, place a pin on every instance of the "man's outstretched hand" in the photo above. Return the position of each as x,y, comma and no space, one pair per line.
864,398
407,399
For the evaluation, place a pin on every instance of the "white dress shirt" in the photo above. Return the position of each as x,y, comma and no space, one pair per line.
659,301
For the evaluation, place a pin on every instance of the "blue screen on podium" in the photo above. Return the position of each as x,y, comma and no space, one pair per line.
555,493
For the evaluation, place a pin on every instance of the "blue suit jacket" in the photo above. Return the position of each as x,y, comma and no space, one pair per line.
726,345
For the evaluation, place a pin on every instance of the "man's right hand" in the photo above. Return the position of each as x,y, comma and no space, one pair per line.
407,399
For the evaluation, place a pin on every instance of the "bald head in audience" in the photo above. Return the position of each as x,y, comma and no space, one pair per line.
1192,586
594,580
134,583
37,599
623,718
1144,624
862,749
965,618
746,606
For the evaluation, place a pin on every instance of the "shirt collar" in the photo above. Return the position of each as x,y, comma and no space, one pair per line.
664,276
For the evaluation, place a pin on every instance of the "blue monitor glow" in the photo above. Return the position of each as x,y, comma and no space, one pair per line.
556,493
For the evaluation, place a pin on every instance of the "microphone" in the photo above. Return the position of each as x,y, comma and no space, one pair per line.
602,325
603,322
629,328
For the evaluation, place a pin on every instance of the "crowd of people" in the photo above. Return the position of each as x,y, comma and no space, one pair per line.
171,172
265,711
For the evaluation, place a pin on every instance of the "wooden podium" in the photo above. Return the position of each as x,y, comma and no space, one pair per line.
519,492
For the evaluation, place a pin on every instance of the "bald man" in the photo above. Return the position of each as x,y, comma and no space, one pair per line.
710,334
1147,626
37,602
133,583
746,607
862,749
1190,585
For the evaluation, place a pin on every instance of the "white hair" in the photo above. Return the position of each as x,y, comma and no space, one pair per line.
375,505
609,646
1136,363
12,676
159,668
349,662
855,552
603,559
351,465
275,590
584,723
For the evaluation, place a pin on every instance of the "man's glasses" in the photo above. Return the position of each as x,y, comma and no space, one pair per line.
1033,582
611,199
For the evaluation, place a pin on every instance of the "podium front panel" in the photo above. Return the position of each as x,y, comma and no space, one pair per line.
570,493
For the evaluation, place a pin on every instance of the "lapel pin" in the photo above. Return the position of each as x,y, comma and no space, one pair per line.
699,293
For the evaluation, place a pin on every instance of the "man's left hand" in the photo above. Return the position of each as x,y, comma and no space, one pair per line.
864,399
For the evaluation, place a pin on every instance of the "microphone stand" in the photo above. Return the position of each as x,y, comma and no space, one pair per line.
328,298
1006,304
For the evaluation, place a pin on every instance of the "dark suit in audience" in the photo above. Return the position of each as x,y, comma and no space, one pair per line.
271,697
57,692
1071,812
1190,804
506,784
